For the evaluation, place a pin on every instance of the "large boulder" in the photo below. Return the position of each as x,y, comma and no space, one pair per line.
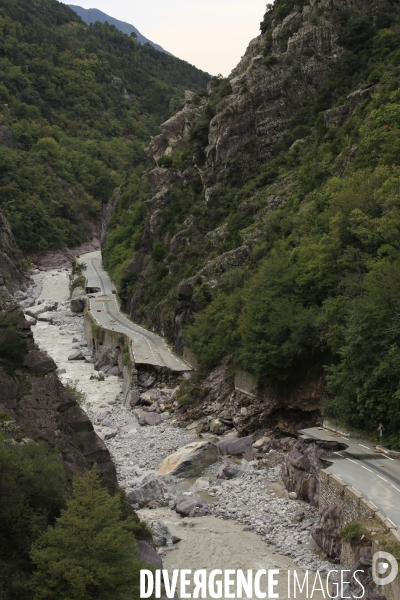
78,300
35,311
326,531
149,397
161,534
300,472
236,447
30,320
76,355
190,460
191,506
231,470
155,489
151,418
39,362
24,304
48,316
148,555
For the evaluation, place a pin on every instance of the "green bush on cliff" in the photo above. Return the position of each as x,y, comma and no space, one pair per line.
78,282
73,389
13,347
77,267
356,533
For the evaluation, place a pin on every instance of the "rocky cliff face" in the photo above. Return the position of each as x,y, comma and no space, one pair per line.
35,405
279,73
11,272
203,229
236,127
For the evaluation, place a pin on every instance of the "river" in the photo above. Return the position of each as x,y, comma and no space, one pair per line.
206,542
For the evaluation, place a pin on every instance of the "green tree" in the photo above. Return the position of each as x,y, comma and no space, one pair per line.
32,487
91,552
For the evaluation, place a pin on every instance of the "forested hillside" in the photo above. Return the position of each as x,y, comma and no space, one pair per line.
91,15
77,106
272,230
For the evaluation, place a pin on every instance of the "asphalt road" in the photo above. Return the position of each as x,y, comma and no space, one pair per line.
375,476
148,348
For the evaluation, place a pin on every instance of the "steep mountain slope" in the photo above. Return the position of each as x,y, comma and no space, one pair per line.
77,105
91,15
270,231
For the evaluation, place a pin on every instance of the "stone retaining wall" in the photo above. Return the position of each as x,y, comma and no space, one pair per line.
190,359
339,429
246,383
111,340
352,507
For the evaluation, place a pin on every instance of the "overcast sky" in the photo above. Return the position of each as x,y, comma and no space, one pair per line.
210,34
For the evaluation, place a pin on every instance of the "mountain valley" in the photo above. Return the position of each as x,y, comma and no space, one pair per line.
252,222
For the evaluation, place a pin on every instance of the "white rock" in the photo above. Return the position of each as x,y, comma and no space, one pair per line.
30,320
46,316
259,443
76,355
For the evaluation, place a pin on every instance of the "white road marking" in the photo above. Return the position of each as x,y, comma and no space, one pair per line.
383,479
357,491
362,445
367,469
345,438
353,461
393,486
373,504
392,522
386,456
338,453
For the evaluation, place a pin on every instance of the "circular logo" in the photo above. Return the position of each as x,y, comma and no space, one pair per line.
384,568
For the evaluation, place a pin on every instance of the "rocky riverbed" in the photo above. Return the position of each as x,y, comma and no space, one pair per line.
251,522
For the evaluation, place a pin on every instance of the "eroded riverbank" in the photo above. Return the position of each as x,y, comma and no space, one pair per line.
255,502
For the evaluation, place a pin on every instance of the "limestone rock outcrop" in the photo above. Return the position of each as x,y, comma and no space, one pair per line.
174,130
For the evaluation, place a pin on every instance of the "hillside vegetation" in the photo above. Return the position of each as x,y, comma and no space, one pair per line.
47,528
77,107
307,218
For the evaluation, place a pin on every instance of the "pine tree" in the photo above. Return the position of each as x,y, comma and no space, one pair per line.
91,552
